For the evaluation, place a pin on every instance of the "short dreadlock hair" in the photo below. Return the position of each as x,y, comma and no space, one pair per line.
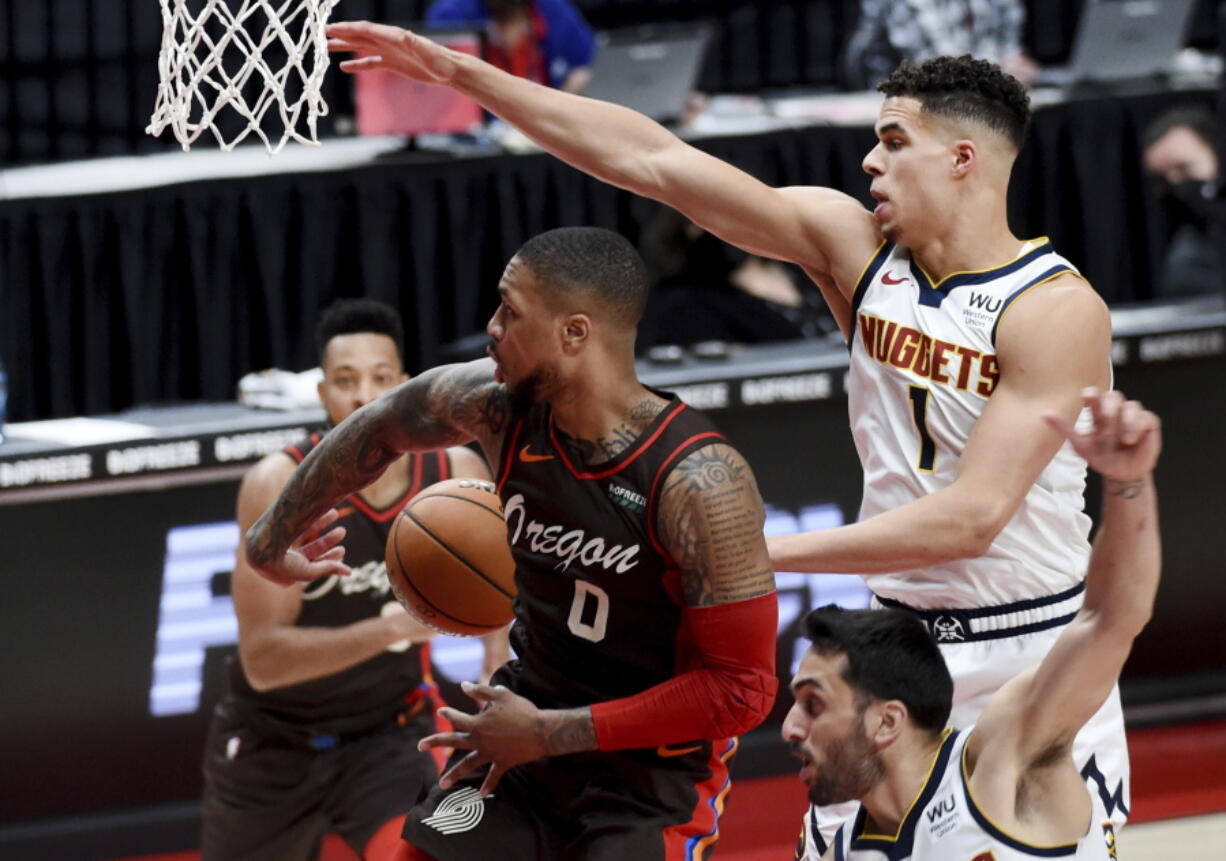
963,88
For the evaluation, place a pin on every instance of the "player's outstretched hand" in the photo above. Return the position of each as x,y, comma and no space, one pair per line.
504,734
391,48
1124,443
317,553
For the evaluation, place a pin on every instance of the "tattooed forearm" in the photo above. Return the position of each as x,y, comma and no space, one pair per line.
568,731
350,457
481,411
425,413
711,522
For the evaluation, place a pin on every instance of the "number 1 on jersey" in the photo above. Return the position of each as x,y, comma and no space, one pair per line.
919,411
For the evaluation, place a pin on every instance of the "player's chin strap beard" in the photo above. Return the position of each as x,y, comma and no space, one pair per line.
526,393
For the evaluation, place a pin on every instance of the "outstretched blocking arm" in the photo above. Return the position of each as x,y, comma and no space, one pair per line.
445,406
1051,345
710,521
822,230
1030,723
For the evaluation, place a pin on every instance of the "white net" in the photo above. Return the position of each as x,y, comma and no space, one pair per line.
242,67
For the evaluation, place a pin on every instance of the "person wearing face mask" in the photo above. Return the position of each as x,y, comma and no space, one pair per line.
1182,153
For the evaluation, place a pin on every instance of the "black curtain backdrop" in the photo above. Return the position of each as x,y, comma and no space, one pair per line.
172,294
78,77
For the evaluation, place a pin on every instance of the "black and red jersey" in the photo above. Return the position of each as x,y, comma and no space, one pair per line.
599,610
366,692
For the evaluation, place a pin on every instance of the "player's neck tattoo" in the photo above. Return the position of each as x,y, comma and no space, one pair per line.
609,445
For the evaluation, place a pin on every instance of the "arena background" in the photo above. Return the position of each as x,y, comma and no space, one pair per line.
154,301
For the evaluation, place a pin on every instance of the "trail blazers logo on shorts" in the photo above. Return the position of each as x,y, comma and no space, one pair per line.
459,812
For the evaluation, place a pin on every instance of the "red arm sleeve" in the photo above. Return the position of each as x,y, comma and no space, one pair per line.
731,691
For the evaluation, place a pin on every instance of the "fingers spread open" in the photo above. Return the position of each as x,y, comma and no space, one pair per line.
465,766
491,779
324,543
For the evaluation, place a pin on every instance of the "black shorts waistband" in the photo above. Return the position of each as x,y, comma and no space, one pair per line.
270,729
998,621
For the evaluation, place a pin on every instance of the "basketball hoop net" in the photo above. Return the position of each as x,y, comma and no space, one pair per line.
247,56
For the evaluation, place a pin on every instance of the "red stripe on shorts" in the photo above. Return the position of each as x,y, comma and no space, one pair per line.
694,840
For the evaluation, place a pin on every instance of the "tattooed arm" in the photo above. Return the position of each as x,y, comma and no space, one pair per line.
710,520
445,406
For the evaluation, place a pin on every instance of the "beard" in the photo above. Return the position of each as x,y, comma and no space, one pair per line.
526,393
850,768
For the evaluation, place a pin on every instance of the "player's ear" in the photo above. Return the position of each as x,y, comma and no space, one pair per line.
886,720
964,154
575,331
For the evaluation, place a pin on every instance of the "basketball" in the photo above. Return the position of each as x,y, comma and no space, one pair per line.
448,561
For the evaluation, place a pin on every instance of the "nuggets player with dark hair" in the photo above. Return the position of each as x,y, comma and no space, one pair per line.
646,614
873,697
319,725
961,335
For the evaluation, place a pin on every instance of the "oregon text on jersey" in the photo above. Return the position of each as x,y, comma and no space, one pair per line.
567,546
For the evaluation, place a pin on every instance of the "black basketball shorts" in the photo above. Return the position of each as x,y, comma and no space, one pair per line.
265,800
654,805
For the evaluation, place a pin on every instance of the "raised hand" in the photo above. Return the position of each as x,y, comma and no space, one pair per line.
1125,441
391,48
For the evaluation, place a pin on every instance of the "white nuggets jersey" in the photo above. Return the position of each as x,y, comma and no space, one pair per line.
923,365
945,824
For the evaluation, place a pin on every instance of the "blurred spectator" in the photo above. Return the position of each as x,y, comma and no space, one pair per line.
1181,151
706,290
546,41
891,32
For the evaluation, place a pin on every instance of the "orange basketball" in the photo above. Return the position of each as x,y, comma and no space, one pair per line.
448,561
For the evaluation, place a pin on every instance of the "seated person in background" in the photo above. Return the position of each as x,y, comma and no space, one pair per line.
1181,152
873,695
319,725
891,32
546,41
706,290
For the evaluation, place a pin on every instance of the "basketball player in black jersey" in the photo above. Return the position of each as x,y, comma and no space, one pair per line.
319,726
646,613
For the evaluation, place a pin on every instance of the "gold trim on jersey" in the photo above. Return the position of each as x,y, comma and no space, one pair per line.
936,756
1028,246
867,265
1013,299
1069,848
